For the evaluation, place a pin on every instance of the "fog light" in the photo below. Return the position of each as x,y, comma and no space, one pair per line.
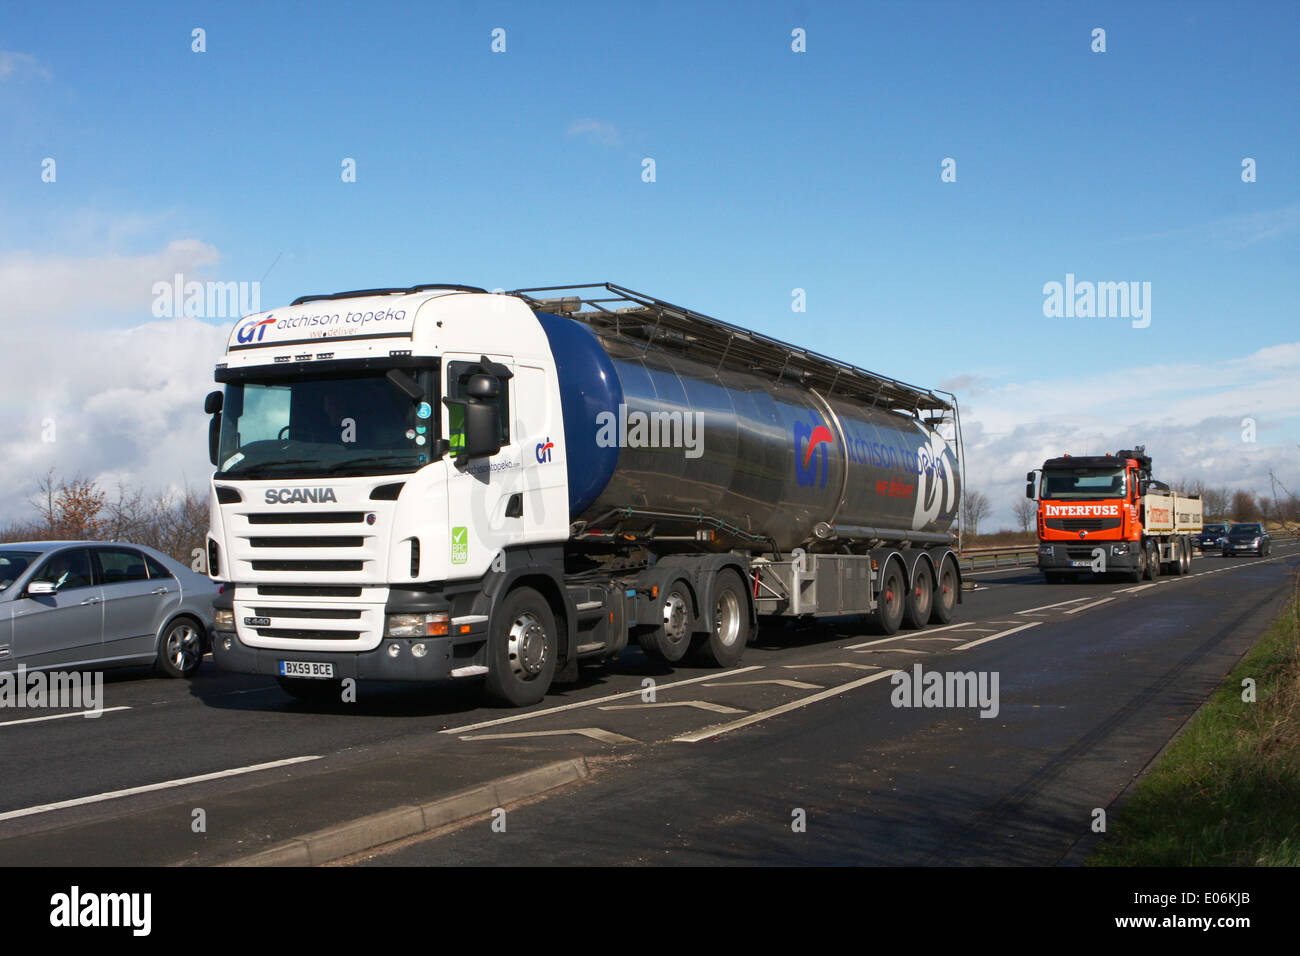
419,650
227,644
223,619
394,650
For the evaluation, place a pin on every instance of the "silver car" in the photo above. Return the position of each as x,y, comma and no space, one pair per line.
95,604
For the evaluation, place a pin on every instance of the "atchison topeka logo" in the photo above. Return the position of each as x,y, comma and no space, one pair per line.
252,328
812,462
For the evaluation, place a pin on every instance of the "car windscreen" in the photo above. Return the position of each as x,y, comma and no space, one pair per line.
13,563
1214,529
1244,530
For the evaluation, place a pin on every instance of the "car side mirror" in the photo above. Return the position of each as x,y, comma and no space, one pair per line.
41,588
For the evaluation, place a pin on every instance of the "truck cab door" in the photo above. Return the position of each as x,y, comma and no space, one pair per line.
484,495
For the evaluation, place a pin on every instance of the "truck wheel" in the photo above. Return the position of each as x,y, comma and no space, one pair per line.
1139,572
945,593
890,602
312,691
729,633
1153,562
920,598
670,640
522,649
180,650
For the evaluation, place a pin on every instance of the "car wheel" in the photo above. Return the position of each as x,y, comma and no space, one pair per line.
180,649
522,649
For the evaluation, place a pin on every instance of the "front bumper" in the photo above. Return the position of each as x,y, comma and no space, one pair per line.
1079,559
1242,549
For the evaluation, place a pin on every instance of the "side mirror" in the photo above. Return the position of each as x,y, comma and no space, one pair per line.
1029,489
214,434
1144,486
42,588
212,404
1029,476
483,387
482,430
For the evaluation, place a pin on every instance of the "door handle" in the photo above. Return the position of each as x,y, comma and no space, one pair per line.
89,601
161,591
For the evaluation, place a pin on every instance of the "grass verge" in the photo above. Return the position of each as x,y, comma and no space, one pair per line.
1227,791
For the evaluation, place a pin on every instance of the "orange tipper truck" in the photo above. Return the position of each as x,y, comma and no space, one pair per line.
1106,515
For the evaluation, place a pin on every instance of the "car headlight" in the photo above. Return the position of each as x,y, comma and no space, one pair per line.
223,620
417,625
1121,548
1046,550
1255,543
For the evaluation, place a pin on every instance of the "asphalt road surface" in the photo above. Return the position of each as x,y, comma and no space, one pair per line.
713,767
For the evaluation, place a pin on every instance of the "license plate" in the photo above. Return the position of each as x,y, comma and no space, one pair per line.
1080,564
306,669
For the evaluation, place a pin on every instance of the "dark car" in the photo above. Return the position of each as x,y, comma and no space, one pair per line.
101,604
1211,537
1246,538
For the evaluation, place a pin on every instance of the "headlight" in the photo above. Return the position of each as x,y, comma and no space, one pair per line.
223,620
417,625
1121,548
1255,543
1046,550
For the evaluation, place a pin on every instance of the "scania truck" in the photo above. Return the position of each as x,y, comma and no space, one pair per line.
437,483
1106,515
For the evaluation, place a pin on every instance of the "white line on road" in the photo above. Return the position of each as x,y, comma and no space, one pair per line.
720,729
1046,607
595,733
853,664
1084,607
76,713
891,650
796,684
905,635
994,637
596,700
149,788
697,704
1140,587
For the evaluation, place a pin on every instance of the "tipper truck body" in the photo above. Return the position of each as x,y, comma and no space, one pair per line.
1106,515
442,484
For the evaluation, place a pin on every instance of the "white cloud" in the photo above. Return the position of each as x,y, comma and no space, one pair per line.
83,289
596,132
22,66
1189,415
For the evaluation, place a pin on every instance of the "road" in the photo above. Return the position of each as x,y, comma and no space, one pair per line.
1093,679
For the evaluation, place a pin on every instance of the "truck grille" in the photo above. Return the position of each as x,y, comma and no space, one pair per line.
308,590
302,542
298,635
319,613
1082,524
287,565
308,517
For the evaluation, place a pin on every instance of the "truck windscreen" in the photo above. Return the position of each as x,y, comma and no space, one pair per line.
359,423
1084,483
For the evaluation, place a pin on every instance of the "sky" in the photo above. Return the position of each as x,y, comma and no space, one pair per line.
922,172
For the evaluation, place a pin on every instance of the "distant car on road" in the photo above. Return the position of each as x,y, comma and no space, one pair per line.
1246,538
1211,537
70,604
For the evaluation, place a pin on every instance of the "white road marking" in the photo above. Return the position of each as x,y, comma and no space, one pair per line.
1084,607
697,704
853,664
796,684
149,788
1045,607
890,650
994,637
76,713
595,733
595,700
1140,587
905,635
720,729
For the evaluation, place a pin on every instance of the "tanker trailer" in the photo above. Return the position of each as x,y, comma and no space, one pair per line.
436,483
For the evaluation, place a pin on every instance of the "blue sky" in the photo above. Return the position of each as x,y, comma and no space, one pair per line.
775,170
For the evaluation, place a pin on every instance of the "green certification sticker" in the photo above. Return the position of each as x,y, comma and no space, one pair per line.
459,545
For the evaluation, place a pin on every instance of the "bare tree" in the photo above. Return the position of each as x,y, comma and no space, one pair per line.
1025,511
975,507
1214,503
1244,506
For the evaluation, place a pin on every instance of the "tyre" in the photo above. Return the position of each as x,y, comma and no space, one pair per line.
945,593
920,597
523,645
729,623
180,649
670,639
1139,572
312,691
891,600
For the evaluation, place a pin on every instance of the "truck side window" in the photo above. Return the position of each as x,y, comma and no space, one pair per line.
458,374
